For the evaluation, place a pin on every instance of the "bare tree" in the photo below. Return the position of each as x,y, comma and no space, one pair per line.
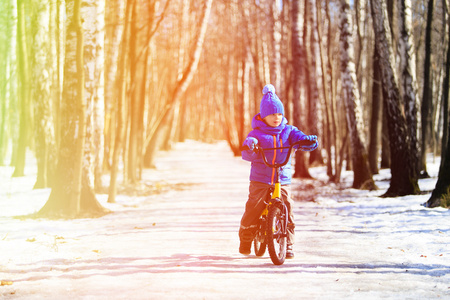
427,97
6,49
183,83
404,177
408,76
24,90
65,199
362,177
298,76
376,116
121,84
441,193
40,93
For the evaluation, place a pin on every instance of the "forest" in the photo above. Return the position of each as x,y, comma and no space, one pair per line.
93,87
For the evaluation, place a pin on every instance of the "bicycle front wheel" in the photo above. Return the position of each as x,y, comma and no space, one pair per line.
277,234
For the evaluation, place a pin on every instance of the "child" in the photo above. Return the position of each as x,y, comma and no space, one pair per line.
270,130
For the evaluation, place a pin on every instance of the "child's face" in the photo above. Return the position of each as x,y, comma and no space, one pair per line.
274,120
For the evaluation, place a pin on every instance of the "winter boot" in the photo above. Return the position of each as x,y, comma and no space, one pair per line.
245,248
289,252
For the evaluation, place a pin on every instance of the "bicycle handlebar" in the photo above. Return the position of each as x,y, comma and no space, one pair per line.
278,165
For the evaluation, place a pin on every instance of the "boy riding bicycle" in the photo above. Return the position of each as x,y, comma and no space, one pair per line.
270,130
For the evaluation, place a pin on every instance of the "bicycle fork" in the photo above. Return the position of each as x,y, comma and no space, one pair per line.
276,197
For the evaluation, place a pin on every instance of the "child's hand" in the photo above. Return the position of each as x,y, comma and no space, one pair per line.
250,142
309,138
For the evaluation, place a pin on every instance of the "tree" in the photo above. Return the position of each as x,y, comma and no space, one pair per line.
42,69
24,90
376,116
441,193
6,49
362,177
182,83
298,76
113,29
404,179
66,199
313,98
427,91
408,77
121,83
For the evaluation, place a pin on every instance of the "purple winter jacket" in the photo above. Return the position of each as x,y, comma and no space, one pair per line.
271,137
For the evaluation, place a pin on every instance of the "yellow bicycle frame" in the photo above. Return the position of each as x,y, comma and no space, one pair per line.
275,194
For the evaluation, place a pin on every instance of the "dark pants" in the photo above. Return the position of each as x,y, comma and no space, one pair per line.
255,205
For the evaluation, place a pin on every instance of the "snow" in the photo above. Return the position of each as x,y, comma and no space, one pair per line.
181,241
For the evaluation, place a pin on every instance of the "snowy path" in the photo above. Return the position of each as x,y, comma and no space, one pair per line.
183,243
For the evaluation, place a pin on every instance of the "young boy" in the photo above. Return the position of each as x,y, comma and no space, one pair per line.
270,130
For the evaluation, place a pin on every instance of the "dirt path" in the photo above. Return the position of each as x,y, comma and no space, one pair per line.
183,244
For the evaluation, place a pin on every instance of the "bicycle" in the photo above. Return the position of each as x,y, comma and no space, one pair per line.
273,223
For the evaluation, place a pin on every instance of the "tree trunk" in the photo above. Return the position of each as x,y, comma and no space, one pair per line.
336,136
427,97
113,32
408,76
446,90
24,90
121,84
7,8
275,57
404,177
441,193
65,197
313,89
44,135
376,117
93,53
362,175
298,76
325,91
138,67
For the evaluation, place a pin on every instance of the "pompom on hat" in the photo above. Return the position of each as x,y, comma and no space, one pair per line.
270,103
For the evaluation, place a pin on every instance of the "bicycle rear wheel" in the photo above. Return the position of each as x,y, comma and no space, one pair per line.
277,233
259,242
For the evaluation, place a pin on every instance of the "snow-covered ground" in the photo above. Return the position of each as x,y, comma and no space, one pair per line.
182,243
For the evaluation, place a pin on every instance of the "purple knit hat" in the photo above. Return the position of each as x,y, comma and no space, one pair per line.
270,103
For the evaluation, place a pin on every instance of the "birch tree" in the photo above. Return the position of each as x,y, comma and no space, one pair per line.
408,77
40,93
24,89
403,174
362,176
6,61
298,76
65,199
441,193
427,92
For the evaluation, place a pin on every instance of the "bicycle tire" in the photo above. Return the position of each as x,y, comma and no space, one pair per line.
259,242
277,234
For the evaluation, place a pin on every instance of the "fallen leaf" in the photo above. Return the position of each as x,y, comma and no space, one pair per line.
96,251
6,282
31,240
